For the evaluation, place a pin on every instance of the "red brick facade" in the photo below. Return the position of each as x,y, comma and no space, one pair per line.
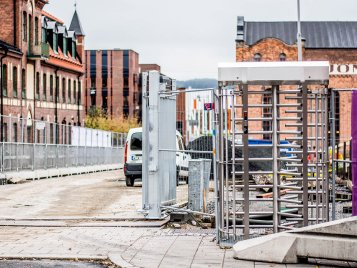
112,78
38,66
149,67
271,49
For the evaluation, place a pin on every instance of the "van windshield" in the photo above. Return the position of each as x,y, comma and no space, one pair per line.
136,142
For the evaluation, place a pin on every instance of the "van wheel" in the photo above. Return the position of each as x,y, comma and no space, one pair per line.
129,181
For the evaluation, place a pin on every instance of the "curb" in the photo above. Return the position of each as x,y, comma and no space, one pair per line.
117,259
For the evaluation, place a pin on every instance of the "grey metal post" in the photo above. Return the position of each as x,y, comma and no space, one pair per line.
276,203
153,167
299,42
214,137
34,146
145,141
333,144
245,161
226,159
221,159
305,163
233,124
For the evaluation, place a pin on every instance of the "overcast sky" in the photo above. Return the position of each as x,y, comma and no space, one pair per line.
186,37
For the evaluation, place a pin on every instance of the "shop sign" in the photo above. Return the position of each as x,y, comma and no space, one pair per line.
343,69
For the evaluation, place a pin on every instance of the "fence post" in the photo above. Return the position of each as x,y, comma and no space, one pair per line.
34,145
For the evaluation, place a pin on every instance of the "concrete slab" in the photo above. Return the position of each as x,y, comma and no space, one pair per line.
322,241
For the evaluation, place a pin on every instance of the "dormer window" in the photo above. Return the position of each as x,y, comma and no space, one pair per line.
257,57
65,48
44,35
74,49
55,43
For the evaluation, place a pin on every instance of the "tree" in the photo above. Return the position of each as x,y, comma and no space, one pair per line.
98,119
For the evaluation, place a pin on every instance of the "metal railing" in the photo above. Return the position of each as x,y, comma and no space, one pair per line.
33,145
31,156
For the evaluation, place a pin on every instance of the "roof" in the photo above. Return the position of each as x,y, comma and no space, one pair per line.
51,17
76,25
317,34
58,59
11,48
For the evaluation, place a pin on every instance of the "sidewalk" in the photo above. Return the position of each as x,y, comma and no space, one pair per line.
127,247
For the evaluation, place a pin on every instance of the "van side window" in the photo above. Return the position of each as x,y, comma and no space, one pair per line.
136,142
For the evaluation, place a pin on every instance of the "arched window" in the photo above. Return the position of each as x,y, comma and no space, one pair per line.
257,57
4,80
36,32
282,57
74,91
51,87
63,90
44,87
23,84
24,26
14,82
37,95
69,91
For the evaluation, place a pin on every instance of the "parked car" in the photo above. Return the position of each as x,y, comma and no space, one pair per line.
133,157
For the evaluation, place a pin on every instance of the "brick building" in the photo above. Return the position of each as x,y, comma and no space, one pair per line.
42,69
332,41
145,67
112,78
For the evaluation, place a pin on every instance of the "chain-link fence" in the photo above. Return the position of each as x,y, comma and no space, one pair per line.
33,144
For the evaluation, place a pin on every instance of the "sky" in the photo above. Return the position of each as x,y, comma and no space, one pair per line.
187,38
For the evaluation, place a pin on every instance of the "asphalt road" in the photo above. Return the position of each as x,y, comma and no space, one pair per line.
96,195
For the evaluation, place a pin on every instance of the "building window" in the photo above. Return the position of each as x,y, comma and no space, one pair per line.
79,92
257,57
23,84
267,113
36,32
73,49
4,80
65,46
14,132
14,82
24,26
126,107
69,91
51,133
37,96
44,35
282,57
55,43
4,132
57,89
30,33
63,90
44,87
74,91
51,87
104,69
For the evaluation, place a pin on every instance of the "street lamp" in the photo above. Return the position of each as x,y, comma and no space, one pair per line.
299,42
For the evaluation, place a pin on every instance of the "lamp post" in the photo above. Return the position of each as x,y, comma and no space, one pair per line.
299,42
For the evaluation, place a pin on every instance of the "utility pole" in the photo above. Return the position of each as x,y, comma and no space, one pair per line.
299,42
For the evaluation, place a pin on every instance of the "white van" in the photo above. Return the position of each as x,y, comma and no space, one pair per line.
133,157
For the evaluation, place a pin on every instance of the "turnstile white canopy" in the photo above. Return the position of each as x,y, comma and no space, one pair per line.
274,73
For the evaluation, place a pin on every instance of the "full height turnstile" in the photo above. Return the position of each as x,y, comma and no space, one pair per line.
272,124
